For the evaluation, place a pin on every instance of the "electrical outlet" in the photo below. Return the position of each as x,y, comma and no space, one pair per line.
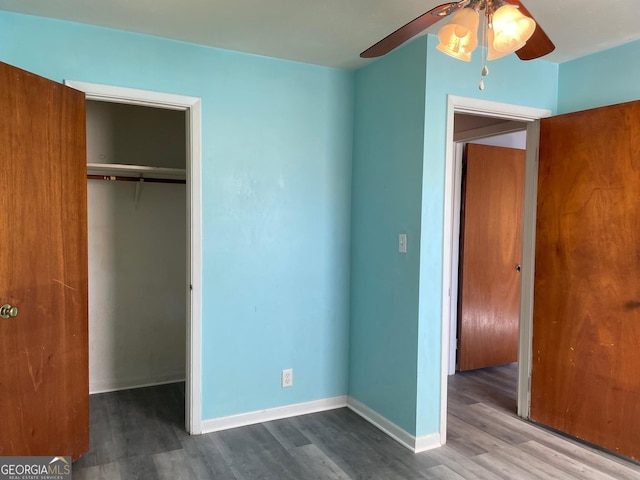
287,378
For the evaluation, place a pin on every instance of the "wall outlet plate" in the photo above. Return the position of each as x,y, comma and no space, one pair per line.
287,378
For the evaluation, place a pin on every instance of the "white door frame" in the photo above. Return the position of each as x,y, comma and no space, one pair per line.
530,115
192,107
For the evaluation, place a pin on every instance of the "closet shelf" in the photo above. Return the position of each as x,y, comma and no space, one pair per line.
136,171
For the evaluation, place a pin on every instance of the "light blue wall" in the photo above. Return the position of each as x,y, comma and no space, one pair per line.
277,146
387,170
604,78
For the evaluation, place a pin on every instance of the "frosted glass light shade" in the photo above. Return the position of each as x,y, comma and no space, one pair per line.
493,54
511,29
459,37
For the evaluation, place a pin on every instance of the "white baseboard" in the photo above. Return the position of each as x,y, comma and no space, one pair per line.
269,414
415,444
117,385
428,442
404,438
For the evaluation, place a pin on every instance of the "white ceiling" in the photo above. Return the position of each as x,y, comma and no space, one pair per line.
328,32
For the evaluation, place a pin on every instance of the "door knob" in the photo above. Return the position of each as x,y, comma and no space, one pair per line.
7,311
518,268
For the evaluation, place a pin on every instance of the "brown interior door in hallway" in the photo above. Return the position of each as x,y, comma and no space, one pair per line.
586,321
44,395
490,254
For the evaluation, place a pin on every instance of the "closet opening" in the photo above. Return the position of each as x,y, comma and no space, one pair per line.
138,247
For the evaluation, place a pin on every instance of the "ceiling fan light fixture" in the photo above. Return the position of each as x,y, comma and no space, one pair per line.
459,37
511,29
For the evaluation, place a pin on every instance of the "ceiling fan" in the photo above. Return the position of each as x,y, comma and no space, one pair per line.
507,27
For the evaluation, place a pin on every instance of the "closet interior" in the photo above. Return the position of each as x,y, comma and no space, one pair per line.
137,231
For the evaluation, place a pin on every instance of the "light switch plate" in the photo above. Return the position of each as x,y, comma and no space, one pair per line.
402,243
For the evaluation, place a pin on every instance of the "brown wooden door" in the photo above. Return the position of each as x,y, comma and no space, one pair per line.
43,267
490,252
586,321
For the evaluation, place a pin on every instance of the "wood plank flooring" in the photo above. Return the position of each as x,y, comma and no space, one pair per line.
139,434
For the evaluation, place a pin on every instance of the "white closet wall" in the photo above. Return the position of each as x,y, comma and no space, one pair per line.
137,250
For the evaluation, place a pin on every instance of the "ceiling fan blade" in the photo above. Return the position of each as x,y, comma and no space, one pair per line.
539,44
411,29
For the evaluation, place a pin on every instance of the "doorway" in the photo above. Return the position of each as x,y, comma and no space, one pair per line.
490,154
490,161
191,108
528,115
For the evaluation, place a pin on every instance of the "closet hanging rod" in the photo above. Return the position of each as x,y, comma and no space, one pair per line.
136,171
118,178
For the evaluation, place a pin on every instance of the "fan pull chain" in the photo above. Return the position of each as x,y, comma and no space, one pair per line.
485,49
